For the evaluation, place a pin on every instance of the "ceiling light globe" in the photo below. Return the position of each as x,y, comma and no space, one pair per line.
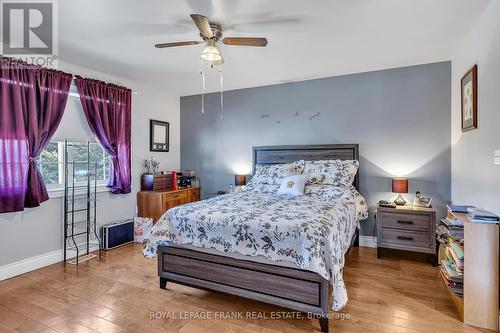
211,53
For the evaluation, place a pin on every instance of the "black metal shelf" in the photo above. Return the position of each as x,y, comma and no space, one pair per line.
77,210
73,247
79,234
79,202
75,187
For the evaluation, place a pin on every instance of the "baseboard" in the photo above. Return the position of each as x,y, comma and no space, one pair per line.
33,263
367,241
30,264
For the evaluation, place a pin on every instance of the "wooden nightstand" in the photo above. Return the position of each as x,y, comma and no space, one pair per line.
407,228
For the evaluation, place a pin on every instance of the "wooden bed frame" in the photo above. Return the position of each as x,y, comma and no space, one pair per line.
292,288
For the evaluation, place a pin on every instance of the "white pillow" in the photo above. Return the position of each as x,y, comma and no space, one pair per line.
293,185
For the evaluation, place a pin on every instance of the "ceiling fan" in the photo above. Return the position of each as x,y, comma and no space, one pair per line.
211,33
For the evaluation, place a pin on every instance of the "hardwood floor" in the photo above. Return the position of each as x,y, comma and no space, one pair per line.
119,293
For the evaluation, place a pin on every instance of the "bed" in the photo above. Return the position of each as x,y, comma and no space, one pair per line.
258,245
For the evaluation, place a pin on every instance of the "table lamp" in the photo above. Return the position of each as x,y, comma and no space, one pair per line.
240,180
400,185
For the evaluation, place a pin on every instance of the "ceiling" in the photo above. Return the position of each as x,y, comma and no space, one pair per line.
307,39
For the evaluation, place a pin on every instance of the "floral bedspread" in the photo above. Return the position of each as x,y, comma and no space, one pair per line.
313,231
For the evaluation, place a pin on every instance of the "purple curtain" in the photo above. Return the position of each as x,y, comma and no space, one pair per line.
32,102
107,108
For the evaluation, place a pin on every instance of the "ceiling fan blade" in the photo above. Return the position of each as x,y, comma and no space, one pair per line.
191,42
203,25
245,41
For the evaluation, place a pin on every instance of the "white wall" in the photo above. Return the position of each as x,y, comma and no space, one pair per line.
38,231
475,179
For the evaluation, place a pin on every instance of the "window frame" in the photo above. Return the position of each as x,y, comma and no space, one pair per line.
60,168
57,190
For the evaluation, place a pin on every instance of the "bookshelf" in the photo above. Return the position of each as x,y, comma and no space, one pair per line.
479,304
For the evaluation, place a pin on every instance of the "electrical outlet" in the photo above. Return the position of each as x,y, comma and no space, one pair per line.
496,159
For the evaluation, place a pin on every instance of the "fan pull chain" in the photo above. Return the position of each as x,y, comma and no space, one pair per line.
203,87
221,93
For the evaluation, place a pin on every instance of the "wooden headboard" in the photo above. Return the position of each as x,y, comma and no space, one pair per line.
286,154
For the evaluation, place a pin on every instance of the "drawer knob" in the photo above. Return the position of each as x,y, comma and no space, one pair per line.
405,222
405,238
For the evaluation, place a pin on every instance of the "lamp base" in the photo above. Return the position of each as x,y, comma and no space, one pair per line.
400,201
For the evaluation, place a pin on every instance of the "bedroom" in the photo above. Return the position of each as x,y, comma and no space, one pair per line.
294,136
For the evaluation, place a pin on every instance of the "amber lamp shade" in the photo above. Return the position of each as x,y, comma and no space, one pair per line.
240,180
400,185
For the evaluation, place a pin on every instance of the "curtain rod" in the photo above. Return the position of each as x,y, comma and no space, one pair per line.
73,91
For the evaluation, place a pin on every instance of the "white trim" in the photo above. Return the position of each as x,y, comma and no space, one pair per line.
60,161
33,263
367,241
27,265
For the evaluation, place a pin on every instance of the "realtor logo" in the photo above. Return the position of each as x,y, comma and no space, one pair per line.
28,30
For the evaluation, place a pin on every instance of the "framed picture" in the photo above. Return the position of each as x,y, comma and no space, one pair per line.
469,100
158,135
424,202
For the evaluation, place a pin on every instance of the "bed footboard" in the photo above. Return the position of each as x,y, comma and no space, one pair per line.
291,288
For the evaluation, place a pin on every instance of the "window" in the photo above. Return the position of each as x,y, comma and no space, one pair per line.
51,162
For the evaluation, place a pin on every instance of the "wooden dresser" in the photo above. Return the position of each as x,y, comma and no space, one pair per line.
407,228
154,204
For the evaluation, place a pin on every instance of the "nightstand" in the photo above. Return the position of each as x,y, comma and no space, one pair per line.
407,228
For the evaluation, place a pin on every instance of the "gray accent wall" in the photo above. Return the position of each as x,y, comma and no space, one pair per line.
399,117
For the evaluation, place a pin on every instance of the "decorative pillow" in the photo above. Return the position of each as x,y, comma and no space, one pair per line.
274,174
331,172
293,185
328,191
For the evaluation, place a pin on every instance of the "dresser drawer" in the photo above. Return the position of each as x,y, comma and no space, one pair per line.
176,196
405,238
420,222
406,228
194,194
174,199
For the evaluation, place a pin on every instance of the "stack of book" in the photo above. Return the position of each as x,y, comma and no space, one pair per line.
475,215
452,228
452,268
451,236
459,208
